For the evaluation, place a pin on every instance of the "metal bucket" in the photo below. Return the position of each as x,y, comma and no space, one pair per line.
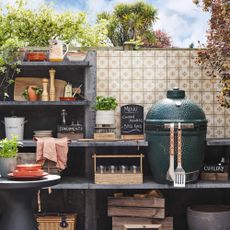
14,126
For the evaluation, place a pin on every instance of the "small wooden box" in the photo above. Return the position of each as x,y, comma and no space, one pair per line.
143,226
53,222
118,177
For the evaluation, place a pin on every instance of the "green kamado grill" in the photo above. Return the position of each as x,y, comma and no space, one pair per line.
175,109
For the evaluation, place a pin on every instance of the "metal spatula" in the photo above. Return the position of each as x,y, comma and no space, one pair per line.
170,174
180,176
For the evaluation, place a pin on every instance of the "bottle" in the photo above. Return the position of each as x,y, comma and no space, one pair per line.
68,90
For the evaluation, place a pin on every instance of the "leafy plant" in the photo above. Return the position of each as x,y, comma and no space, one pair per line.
37,90
130,22
215,58
106,103
9,148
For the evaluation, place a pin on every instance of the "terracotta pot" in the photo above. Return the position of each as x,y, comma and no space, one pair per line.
32,96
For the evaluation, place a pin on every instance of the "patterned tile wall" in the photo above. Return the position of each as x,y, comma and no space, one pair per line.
143,77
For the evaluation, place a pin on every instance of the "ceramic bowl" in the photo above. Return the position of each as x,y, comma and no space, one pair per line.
28,167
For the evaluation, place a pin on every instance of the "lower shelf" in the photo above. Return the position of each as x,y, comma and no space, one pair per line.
83,183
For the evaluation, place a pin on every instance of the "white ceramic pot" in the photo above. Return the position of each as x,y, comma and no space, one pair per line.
104,117
14,126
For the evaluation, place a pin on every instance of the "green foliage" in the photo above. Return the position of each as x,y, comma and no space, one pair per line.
106,103
130,22
36,28
9,148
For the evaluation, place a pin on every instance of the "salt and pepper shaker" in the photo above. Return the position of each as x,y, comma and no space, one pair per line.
45,95
134,169
52,85
63,115
112,168
123,169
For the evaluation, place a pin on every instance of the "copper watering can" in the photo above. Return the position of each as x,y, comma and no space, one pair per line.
56,50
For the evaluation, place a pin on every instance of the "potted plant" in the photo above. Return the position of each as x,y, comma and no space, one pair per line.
32,93
8,154
105,107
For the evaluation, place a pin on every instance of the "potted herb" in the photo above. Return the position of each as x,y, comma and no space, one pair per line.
8,154
105,107
32,93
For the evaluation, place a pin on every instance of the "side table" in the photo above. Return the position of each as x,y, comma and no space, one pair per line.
17,197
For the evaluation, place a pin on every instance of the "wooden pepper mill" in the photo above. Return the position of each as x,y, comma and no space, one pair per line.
52,85
45,95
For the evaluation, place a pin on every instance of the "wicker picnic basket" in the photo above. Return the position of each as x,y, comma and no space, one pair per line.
57,221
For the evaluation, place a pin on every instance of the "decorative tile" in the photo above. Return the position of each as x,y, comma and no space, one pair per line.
137,86
148,62
161,62
138,74
160,95
149,85
116,95
219,132
184,73
126,62
219,120
207,85
102,85
172,84
114,53
101,53
137,98
126,74
210,132
114,85
184,53
160,53
102,62
125,97
210,119
184,85
127,53
218,110
161,73
102,74
196,73
206,74
173,73
208,108
161,85
207,97
196,85
196,97
101,93
227,132
149,74
227,121
114,74
183,62
148,53
149,97
172,62
114,62
137,53
126,85
137,62
172,53
193,63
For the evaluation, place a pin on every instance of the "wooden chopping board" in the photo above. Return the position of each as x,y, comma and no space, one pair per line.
22,82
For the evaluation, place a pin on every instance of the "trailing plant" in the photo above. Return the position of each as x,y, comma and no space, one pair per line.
9,147
215,58
106,103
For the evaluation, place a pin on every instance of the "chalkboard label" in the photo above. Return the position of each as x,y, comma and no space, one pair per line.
132,117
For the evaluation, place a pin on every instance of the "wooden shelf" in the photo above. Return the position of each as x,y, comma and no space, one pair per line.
44,103
83,183
75,143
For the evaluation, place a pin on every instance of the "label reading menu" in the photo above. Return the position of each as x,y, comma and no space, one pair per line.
132,117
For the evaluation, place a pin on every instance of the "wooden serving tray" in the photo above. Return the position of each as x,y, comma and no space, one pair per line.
21,83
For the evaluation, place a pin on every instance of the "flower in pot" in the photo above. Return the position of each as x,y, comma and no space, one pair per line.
8,154
32,93
105,107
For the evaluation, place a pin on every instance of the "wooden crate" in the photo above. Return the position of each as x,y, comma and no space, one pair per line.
119,222
214,176
52,222
118,177
143,226
149,207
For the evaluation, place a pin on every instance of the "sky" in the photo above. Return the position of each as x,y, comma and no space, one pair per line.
181,19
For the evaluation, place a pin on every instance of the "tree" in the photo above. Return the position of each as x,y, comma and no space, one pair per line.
216,57
130,22
162,40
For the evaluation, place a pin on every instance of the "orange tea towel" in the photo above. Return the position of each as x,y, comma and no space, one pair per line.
54,149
